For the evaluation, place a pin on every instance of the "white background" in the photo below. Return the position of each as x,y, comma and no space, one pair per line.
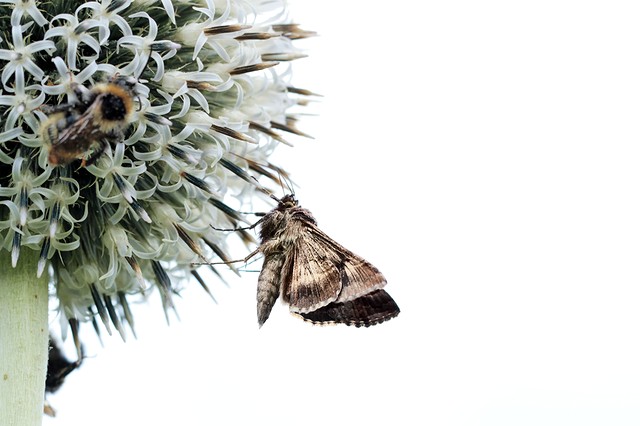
484,155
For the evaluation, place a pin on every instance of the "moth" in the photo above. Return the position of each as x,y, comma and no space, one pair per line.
98,118
320,280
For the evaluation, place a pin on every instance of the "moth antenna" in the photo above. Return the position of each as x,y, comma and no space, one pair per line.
220,263
289,185
281,183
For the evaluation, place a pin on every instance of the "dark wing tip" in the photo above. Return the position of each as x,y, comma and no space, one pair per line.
368,310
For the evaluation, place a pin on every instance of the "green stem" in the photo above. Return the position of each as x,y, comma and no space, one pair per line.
24,340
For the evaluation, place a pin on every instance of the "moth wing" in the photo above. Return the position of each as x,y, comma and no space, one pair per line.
313,280
357,276
322,272
371,309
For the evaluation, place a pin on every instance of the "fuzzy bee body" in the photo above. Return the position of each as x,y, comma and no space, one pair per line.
97,118
58,368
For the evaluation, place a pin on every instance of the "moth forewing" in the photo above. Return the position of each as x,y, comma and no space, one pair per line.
357,277
314,280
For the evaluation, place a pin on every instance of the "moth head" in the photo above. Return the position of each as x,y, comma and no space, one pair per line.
286,202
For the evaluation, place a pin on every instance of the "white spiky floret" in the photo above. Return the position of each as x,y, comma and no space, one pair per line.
106,13
20,58
148,47
209,92
22,105
75,34
25,7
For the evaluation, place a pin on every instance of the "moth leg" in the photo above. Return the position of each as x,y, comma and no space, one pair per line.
250,255
242,228
245,260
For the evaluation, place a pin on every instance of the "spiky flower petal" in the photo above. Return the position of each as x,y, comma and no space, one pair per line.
211,100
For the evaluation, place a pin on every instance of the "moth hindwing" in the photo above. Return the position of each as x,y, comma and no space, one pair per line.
321,281
370,309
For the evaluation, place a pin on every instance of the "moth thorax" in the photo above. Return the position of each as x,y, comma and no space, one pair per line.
303,214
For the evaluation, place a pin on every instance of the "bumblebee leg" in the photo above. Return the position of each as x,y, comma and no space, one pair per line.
95,154
48,409
85,96
52,109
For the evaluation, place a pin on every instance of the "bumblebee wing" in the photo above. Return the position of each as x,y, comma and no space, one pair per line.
74,140
52,109
82,131
322,272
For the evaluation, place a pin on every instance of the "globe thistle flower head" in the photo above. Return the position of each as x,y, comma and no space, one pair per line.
147,169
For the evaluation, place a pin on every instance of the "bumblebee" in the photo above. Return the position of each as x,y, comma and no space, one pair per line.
58,368
83,129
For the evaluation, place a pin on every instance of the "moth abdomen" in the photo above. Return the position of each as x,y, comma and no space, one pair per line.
269,283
